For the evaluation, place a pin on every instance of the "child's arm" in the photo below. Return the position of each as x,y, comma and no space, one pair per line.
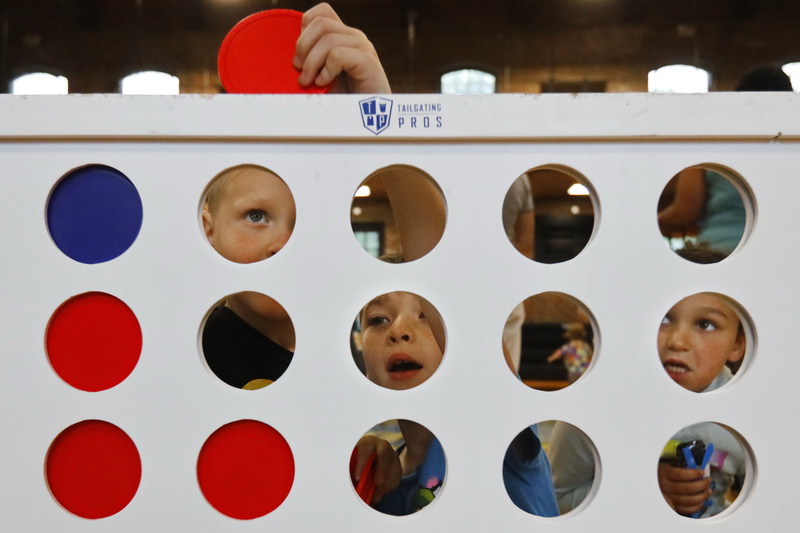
688,205
327,48
556,355
685,489
387,465
418,208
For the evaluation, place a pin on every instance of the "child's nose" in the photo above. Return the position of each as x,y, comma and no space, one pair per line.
678,339
400,331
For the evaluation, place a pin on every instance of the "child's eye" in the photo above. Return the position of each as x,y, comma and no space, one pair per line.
666,320
256,216
706,325
376,320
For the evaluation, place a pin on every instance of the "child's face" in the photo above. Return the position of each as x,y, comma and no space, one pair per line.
253,218
697,337
399,348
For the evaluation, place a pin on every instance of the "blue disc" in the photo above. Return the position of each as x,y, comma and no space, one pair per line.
94,214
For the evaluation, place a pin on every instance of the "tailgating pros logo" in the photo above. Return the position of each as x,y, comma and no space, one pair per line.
376,113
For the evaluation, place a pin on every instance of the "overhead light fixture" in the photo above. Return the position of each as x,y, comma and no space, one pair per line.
577,189
364,191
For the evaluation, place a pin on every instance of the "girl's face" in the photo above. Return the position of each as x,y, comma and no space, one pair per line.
399,348
697,337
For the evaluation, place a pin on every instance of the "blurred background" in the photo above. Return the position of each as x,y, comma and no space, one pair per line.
527,46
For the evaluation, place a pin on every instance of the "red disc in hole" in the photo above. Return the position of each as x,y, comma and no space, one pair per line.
93,469
93,341
256,55
245,469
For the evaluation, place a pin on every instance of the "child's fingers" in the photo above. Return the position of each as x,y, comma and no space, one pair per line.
330,56
687,505
365,447
388,471
323,10
327,48
312,33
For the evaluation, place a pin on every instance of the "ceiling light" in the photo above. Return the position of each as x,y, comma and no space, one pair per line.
578,190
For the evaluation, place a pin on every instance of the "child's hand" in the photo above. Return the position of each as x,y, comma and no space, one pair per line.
327,48
685,489
387,465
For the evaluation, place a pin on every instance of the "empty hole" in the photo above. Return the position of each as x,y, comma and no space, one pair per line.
551,340
398,340
719,455
563,211
93,469
406,456
248,213
94,214
245,469
574,463
93,341
248,340
703,341
527,473
398,214
702,213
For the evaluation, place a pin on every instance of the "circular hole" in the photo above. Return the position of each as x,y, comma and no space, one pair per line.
527,474
564,212
574,462
398,214
702,213
551,340
248,213
408,463
245,469
94,214
702,341
93,341
93,469
705,469
248,340
398,340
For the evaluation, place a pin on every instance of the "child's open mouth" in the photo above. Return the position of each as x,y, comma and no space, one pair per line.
676,369
401,366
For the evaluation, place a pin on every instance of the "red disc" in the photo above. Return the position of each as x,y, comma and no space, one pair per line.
93,469
245,469
93,341
256,55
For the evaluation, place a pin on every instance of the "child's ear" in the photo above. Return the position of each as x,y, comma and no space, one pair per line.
208,225
739,347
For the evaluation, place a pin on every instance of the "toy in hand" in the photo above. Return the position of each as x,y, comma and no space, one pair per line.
256,55
365,486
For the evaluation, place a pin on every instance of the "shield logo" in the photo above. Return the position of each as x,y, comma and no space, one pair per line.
376,113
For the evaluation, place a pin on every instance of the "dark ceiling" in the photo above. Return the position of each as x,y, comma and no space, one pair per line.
425,35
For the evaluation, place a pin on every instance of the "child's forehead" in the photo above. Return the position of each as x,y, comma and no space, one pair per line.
394,299
246,178
242,180
707,302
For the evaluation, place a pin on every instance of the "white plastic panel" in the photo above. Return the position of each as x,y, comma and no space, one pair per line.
628,146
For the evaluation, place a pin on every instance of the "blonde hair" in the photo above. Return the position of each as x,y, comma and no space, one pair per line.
575,332
216,188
